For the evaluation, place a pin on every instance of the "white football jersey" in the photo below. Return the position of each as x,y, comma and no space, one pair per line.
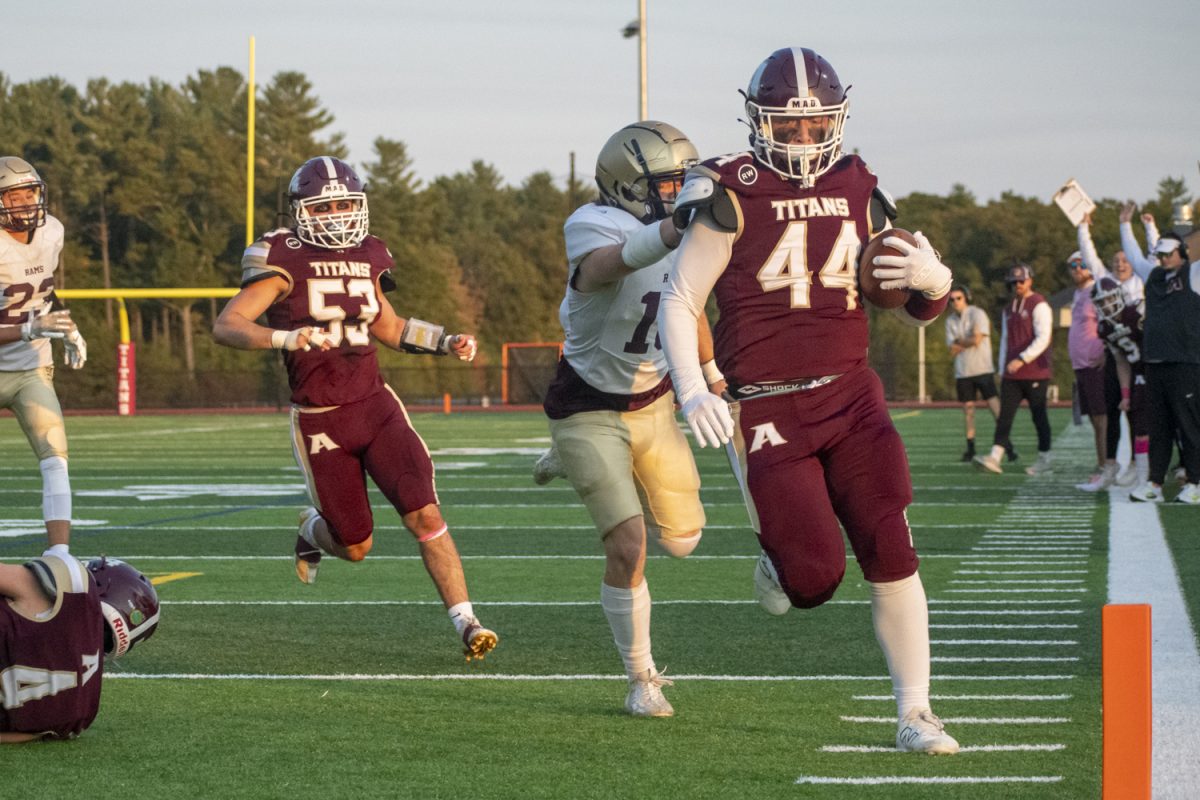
26,281
611,335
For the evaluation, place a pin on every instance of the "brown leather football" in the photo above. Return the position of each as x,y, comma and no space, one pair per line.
868,284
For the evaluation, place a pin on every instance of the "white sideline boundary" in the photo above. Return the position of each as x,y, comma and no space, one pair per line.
1141,570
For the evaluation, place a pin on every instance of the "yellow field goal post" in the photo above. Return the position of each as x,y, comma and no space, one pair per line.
126,357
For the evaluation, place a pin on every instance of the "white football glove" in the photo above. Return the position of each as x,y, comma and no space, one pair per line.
709,418
292,340
74,350
918,269
54,325
463,346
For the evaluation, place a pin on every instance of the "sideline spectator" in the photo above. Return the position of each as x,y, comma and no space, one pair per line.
1087,359
1025,353
1172,351
968,335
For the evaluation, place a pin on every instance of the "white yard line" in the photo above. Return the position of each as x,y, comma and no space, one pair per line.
1141,570
896,780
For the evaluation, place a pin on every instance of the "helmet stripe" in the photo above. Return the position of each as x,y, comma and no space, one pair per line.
802,89
330,168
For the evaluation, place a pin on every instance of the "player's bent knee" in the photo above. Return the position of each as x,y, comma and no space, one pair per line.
812,589
357,552
678,546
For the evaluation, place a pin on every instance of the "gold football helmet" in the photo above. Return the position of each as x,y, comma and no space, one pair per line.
25,209
641,168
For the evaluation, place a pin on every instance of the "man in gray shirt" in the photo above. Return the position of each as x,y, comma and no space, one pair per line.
968,335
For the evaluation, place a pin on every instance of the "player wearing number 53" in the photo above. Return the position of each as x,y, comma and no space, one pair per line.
321,286
611,409
776,234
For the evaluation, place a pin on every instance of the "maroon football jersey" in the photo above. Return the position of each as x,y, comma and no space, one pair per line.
335,290
1124,336
788,298
51,669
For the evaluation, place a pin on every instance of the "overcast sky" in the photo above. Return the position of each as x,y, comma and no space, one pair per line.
1016,95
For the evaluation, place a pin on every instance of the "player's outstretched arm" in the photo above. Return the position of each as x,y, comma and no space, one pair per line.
418,336
610,263
236,325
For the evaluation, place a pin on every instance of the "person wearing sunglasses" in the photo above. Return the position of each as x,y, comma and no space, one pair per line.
968,336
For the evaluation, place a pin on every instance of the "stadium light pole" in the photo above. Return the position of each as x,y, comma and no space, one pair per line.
638,28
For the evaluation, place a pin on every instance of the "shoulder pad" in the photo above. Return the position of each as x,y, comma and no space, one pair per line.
882,209
386,282
701,191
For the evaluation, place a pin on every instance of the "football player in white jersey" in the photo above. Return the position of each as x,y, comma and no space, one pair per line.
30,243
611,408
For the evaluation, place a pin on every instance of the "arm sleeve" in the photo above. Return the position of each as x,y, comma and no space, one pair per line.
1141,264
1151,236
1090,257
1043,319
703,256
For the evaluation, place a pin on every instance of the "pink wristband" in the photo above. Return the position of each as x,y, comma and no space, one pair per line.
1125,393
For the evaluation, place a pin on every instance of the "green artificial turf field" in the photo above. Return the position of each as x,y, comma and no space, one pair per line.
257,686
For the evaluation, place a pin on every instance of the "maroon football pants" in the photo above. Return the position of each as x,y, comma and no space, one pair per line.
823,457
337,449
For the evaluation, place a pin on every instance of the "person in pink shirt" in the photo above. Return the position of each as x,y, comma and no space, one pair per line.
1086,349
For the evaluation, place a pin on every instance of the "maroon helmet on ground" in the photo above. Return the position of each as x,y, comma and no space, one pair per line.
129,604
1108,298
797,108
329,203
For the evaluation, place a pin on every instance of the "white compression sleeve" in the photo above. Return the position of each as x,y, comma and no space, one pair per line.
702,258
56,489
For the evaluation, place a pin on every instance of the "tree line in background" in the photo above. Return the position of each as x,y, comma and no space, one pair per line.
149,181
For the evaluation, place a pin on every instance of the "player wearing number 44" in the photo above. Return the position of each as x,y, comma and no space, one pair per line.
776,234
321,287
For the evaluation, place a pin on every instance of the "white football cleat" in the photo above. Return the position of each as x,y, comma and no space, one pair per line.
1040,467
1128,476
922,732
548,467
1147,493
989,464
645,698
767,591
1190,494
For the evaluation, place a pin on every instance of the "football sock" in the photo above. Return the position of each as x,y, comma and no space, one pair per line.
315,531
997,451
462,615
971,445
56,489
901,617
628,612
1141,463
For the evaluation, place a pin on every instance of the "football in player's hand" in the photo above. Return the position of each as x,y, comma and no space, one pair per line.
868,284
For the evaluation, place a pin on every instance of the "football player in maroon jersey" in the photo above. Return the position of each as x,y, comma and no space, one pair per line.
319,285
776,233
1120,327
57,618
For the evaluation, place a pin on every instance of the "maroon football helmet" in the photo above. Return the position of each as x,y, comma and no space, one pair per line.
1108,298
797,109
317,189
128,602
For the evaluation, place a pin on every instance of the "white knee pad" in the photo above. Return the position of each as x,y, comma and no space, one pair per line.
56,489
678,547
